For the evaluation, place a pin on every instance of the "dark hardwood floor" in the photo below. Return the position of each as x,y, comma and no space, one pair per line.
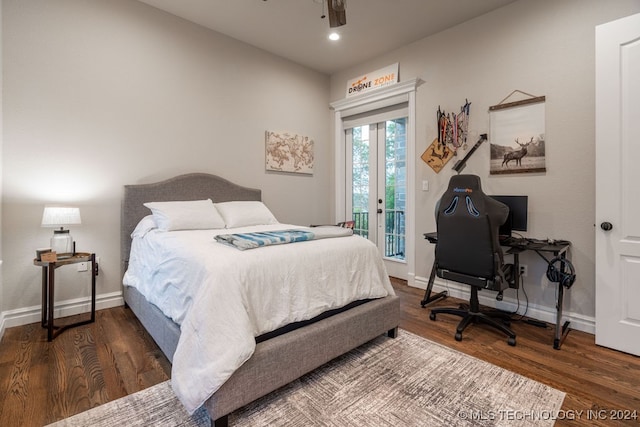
84,367
42,382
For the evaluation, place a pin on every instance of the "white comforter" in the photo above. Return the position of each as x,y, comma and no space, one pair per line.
223,298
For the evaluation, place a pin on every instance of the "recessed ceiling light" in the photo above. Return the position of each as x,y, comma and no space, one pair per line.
334,36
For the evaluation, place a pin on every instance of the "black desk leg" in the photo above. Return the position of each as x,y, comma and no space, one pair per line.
561,331
428,298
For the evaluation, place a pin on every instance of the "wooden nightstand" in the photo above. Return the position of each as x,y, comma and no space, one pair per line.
48,289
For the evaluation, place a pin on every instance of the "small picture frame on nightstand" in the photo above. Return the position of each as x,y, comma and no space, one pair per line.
40,252
50,256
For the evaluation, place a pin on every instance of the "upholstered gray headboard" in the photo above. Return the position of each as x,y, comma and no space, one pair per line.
194,186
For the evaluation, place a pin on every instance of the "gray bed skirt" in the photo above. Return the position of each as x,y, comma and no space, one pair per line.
280,360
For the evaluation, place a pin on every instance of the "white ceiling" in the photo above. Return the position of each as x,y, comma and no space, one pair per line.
293,29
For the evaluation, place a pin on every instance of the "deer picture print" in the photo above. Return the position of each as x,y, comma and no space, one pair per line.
516,155
517,138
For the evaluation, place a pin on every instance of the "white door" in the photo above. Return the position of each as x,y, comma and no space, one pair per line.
617,181
376,188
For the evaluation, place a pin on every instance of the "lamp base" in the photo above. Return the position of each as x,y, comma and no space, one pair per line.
62,242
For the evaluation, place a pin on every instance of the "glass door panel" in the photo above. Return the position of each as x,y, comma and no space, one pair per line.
376,186
360,191
395,188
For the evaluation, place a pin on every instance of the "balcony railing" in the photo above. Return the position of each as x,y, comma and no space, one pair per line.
394,233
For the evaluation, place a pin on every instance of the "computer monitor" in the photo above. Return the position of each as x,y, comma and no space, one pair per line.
517,219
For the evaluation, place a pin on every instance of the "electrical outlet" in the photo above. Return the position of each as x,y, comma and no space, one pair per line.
523,270
82,266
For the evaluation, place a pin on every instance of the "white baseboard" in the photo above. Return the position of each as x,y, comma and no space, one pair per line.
24,316
578,321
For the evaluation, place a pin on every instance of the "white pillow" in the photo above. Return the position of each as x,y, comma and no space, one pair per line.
245,213
145,225
187,215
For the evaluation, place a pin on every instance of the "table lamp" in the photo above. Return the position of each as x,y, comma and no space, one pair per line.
57,216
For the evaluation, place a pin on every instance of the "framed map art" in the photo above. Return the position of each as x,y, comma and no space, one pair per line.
288,152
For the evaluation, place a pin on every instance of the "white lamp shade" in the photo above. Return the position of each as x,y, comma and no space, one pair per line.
57,216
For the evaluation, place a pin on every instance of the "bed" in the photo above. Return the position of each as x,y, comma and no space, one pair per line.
280,356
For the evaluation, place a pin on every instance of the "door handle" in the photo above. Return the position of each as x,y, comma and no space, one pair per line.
379,210
606,226
379,201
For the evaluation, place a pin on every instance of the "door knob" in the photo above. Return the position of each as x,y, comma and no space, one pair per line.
380,201
379,210
606,226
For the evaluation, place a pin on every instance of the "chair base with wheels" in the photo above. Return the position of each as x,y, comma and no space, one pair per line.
495,318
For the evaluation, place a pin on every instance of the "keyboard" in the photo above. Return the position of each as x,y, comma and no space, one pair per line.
506,240
513,241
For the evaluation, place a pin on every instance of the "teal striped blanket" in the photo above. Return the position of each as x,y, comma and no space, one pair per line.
245,241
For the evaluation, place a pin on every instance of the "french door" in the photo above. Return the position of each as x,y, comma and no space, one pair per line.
376,187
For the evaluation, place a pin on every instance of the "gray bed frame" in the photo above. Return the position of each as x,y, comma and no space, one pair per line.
276,361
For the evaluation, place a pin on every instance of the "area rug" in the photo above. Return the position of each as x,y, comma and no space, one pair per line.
407,381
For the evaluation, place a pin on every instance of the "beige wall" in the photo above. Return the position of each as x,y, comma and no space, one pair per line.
110,92
103,93
543,47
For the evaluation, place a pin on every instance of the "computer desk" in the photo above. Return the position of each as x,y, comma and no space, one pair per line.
516,248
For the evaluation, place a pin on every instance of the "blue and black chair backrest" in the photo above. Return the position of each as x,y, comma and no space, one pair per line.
467,223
